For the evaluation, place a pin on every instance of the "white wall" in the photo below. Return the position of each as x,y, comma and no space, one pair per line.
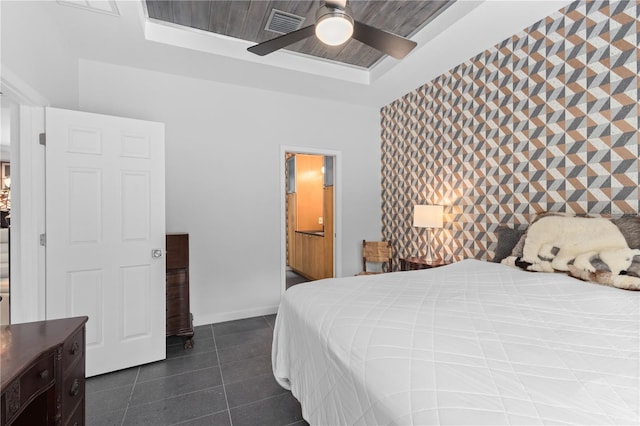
223,178
213,128
33,49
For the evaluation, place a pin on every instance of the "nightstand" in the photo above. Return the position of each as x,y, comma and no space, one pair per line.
414,263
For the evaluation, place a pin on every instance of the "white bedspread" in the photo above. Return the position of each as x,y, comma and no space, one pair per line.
470,343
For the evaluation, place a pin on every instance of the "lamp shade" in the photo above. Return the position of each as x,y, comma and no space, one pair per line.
427,216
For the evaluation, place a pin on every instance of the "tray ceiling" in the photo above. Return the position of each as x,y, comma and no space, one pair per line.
247,20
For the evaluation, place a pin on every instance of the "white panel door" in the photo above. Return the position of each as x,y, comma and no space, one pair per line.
104,219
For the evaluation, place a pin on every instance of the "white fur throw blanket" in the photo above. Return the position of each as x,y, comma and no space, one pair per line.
592,249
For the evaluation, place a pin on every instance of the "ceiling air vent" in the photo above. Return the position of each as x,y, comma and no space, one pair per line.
283,22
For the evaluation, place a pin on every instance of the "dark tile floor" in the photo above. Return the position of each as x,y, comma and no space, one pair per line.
293,279
225,379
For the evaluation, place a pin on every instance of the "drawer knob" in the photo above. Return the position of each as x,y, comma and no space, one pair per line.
44,375
74,348
75,388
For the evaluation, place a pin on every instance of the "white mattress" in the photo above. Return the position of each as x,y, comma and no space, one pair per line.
470,343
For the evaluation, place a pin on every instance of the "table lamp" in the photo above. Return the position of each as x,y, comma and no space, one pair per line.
427,216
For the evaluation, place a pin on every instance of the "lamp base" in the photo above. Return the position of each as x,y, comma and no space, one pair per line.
430,259
429,256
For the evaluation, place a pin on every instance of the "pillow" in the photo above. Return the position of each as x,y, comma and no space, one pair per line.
507,240
629,226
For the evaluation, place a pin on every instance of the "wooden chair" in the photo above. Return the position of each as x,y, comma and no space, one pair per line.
376,252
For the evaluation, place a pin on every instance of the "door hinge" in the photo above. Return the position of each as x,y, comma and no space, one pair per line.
43,139
43,240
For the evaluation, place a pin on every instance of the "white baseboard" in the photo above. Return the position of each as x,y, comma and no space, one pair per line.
233,315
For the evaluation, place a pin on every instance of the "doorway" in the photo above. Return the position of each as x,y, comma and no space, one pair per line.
9,137
26,185
310,215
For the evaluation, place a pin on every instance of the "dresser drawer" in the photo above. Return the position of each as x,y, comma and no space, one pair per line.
177,307
37,378
73,349
177,251
177,284
35,388
72,390
178,323
178,315
77,417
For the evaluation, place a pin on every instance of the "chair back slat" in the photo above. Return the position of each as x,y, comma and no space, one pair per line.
377,252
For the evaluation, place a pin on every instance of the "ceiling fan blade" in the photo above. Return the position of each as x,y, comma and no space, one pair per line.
285,40
339,4
388,43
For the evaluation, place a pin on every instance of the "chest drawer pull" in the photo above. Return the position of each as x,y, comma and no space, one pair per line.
44,375
74,348
75,388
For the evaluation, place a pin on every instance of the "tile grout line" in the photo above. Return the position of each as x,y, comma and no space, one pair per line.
126,408
270,326
284,392
178,374
155,401
196,418
224,388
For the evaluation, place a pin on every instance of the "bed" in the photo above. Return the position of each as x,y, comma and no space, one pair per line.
469,343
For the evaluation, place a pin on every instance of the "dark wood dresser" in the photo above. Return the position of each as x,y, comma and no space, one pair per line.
42,365
179,318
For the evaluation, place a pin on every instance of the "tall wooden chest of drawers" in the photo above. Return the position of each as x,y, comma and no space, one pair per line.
179,319
42,376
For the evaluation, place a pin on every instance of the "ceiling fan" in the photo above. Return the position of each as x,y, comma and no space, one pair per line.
334,26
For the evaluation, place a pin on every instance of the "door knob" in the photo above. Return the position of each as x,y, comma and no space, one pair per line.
156,253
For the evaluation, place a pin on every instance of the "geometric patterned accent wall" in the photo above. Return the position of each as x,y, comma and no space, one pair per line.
547,120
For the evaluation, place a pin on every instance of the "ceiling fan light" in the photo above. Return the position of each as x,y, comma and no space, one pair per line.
334,27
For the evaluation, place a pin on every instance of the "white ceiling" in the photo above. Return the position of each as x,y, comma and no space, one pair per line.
463,30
